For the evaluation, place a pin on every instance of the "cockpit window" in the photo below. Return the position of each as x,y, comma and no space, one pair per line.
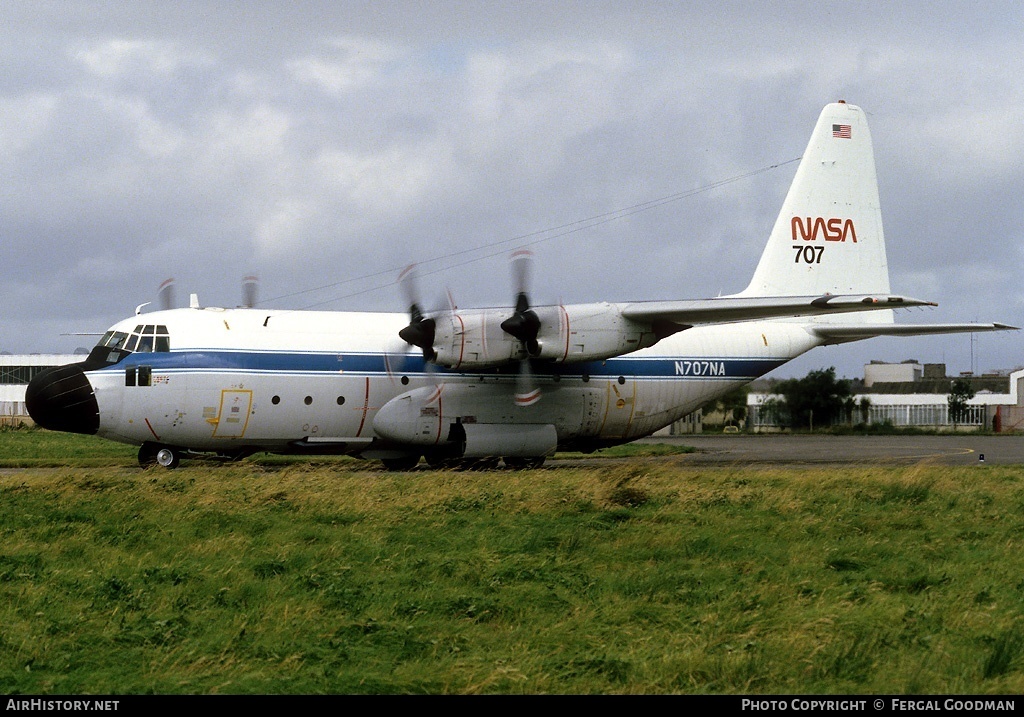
113,339
115,345
149,338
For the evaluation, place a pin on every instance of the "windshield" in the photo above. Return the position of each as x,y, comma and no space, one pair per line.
145,338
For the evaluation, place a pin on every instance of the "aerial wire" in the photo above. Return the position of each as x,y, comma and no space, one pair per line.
499,247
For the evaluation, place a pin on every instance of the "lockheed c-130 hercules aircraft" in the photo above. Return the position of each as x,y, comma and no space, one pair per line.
511,384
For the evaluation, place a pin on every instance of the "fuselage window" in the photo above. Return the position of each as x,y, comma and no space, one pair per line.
138,376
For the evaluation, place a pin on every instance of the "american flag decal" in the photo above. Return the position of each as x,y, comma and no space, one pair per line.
841,131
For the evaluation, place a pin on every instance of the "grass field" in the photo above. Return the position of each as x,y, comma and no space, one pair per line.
638,577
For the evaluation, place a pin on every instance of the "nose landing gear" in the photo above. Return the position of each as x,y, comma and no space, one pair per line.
154,454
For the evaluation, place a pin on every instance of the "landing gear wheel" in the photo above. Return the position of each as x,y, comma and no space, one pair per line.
405,463
168,457
519,464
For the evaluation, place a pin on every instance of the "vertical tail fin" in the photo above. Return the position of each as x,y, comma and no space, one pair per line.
828,237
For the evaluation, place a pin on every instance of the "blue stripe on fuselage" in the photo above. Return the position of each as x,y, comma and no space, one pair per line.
413,363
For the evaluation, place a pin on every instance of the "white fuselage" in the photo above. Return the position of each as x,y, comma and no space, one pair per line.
273,379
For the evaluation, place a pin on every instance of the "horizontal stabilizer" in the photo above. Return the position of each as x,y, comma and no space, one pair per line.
729,309
843,333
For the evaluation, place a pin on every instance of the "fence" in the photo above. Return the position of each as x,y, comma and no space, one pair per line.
919,415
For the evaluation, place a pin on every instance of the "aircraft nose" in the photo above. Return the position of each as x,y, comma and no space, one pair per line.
62,399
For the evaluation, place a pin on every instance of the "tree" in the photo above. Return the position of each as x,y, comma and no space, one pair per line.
960,392
732,405
819,398
849,409
865,409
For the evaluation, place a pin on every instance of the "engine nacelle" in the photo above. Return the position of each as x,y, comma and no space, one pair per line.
568,334
474,339
589,332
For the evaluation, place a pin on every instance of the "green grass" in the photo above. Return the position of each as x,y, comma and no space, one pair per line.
639,577
23,447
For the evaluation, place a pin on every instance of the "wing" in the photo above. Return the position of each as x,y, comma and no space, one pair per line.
729,309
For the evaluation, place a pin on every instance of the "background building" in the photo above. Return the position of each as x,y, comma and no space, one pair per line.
15,373
915,394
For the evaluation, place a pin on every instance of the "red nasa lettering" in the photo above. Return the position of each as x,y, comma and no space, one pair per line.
833,229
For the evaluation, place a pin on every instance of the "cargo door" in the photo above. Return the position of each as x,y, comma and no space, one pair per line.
233,417
620,399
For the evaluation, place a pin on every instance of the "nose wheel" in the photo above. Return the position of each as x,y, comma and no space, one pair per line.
152,454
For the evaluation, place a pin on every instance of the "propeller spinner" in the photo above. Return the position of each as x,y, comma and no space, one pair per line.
421,329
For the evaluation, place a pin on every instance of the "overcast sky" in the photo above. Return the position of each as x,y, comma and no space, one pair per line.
325,145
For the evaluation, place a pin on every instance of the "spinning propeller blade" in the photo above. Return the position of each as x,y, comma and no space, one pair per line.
524,325
166,294
250,291
527,392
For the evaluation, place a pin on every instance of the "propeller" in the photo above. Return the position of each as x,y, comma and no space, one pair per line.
524,325
165,294
250,291
527,391
418,334
421,328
